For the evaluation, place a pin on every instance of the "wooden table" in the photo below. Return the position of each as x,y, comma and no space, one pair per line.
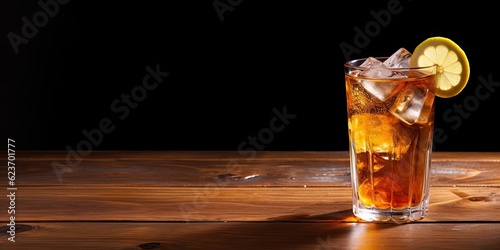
233,200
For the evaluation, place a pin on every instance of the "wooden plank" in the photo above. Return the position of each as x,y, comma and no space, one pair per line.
268,235
184,172
217,203
275,200
179,155
229,155
167,168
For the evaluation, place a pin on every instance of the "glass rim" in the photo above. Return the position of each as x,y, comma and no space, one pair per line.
350,64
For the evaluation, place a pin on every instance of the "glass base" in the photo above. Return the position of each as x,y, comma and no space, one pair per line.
404,215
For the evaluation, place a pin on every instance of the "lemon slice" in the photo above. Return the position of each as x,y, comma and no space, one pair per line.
452,64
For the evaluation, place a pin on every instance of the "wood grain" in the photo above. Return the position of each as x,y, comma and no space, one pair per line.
230,200
266,169
266,235
96,203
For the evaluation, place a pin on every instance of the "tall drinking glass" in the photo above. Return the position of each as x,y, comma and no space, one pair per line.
390,120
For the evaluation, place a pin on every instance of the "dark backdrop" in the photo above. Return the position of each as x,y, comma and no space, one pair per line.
230,70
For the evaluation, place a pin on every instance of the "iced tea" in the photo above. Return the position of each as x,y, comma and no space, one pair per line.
390,122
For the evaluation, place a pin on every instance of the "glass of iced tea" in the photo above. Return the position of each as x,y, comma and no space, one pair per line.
390,108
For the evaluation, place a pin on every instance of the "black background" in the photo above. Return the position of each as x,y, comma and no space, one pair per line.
226,76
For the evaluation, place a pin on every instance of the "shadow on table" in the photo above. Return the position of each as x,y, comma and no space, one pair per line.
299,231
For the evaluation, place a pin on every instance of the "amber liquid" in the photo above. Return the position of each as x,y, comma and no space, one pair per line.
391,154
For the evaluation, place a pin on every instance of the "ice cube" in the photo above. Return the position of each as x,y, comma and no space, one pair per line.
382,90
413,105
377,69
371,62
400,59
